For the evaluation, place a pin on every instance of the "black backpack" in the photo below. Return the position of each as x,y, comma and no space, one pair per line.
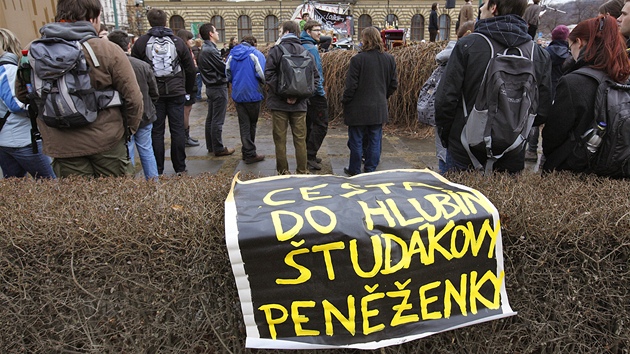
612,106
296,78
506,105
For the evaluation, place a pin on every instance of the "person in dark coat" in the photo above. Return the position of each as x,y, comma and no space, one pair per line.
558,50
532,17
434,27
173,90
572,113
371,79
287,111
501,21
212,70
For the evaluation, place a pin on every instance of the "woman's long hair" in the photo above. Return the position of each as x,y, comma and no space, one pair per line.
9,43
605,47
371,39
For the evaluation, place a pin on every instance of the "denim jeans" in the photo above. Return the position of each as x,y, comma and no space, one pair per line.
217,106
17,162
356,135
316,125
173,107
199,83
247,119
142,141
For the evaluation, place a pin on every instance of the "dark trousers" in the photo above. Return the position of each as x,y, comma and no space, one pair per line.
532,31
217,105
432,35
173,107
247,119
316,124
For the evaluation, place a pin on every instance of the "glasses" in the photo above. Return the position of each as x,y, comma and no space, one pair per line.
316,30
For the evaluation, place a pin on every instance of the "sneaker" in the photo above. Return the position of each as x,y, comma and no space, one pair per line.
191,142
254,159
226,151
531,156
347,171
313,165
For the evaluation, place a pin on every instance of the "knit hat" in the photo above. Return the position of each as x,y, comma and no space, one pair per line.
560,33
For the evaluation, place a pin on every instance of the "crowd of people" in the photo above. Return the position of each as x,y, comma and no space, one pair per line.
161,74
566,92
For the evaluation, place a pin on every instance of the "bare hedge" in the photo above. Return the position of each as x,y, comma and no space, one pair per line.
126,266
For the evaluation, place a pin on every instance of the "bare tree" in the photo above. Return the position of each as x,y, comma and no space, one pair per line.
584,9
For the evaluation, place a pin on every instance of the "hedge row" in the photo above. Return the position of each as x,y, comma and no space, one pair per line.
127,266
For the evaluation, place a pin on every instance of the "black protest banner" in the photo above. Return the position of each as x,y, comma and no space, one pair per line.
338,22
363,262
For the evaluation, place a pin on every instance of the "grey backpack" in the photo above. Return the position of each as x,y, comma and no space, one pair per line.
505,108
426,98
162,54
61,86
296,78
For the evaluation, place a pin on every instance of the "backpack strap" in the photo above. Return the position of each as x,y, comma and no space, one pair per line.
284,50
90,51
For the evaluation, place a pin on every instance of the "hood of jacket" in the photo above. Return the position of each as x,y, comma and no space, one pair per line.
442,57
160,31
507,30
290,38
242,51
70,31
559,51
306,38
9,57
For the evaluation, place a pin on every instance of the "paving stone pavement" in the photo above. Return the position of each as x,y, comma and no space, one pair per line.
398,152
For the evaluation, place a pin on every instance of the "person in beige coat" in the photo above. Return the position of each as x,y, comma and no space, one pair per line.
99,148
466,13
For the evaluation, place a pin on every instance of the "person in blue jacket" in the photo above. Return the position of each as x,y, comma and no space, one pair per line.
244,69
16,150
317,108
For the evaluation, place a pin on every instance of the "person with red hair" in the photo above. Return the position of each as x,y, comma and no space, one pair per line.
597,44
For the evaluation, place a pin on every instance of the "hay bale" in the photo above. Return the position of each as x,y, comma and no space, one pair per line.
414,65
122,265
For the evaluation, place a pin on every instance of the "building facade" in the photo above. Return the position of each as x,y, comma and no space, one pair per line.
231,18
262,18
115,14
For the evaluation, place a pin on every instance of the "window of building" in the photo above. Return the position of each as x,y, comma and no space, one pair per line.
271,28
219,26
445,27
176,23
391,20
417,28
244,26
365,21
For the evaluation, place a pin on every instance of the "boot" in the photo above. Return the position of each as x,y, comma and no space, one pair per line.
190,141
